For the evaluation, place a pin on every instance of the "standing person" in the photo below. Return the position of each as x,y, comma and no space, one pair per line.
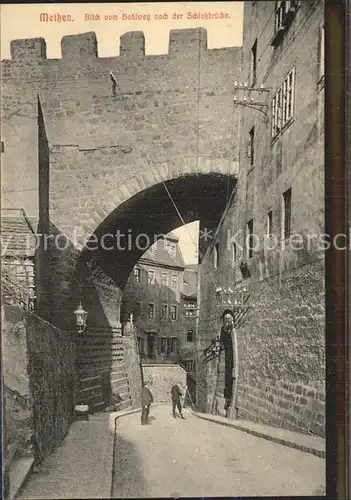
176,393
146,400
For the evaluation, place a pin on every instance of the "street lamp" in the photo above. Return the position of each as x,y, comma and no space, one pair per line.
81,318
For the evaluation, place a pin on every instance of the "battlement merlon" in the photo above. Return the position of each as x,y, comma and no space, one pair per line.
188,41
84,45
132,43
81,46
28,49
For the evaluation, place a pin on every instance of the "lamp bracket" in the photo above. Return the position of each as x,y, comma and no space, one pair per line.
250,97
254,105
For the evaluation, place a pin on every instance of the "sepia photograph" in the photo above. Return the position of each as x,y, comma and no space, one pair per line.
163,250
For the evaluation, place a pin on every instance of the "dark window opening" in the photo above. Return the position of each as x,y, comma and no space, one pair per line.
190,336
253,68
287,213
252,146
249,240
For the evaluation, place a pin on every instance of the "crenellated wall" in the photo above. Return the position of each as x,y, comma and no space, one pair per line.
166,117
145,130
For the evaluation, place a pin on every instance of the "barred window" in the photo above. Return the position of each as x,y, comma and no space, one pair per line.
277,113
283,104
137,275
288,96
164,279
174,280
174,312
151,311
164,311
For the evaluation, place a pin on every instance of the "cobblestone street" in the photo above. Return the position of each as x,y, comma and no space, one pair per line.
192,457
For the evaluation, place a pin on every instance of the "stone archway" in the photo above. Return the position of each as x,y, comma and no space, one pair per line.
97,275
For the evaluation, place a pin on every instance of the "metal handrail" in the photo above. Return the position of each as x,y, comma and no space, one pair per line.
15,289
24,215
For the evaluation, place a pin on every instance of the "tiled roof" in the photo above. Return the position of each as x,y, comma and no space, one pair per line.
17,238
171,236
161,255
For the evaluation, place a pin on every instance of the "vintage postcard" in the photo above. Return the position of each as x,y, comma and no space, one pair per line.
163,250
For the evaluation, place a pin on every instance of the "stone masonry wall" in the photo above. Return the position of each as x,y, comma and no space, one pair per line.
52,380
132,365
282,353
18,416
39,382
161,378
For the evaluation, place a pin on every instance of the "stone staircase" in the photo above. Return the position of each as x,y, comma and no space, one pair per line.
120,386
99,389
102,376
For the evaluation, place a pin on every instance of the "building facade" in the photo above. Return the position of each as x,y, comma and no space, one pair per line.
154,295
189,319
269,240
